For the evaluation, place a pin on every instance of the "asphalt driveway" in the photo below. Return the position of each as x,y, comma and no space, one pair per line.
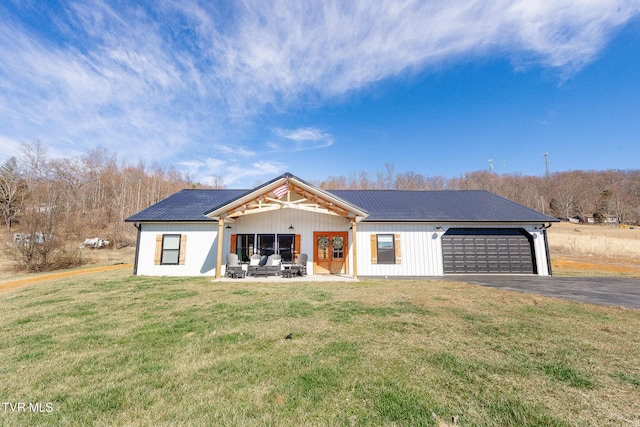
612,291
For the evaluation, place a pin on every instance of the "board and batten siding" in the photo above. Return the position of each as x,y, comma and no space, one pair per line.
421,247
420,243
201,239
198,253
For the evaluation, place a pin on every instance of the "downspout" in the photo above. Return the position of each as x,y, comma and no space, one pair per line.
355,251
219,254
138,226
546,246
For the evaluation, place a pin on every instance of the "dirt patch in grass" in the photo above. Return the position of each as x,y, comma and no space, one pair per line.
10,285
576,265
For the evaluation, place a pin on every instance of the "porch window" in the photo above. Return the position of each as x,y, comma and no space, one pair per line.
170,249
286,246
245,246
266,244
385,247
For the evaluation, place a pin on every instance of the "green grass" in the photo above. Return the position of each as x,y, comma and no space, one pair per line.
111,350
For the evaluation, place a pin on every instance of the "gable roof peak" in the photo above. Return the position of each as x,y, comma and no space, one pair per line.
307,197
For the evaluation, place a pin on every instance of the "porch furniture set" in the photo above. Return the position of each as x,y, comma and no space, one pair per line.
265,266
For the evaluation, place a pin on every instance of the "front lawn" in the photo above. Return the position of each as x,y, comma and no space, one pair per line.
119,350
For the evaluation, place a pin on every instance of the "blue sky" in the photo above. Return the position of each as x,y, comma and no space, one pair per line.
247,90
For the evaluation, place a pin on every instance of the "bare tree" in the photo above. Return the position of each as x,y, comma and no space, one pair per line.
217,181
35,163
13,191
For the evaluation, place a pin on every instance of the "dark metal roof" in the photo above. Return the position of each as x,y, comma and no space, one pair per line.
445,206
382,205
186,205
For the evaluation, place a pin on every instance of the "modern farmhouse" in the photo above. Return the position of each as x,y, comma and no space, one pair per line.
371,233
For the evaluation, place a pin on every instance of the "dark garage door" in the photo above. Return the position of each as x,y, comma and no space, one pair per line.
488,250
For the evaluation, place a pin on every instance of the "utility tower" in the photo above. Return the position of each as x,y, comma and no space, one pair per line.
546,163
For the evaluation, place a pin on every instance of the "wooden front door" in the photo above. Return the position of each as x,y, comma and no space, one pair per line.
330,252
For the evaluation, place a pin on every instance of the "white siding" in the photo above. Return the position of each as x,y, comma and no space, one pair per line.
202,243
420,243
199,255
421,248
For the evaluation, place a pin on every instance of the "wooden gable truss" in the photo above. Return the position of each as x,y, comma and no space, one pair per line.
296,198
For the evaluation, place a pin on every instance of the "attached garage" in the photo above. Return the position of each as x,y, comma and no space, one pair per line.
488,251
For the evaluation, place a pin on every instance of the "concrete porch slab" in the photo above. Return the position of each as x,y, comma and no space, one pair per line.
294,279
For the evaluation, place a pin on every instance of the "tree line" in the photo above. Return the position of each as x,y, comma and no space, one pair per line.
70,199
61,201
596,194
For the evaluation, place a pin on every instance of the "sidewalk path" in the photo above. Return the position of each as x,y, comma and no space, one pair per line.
11,285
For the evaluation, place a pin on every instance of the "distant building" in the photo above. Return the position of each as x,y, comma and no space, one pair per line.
607,219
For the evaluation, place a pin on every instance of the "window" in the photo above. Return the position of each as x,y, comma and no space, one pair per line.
286,244
266,244
337,243
244,246
170,249
386,251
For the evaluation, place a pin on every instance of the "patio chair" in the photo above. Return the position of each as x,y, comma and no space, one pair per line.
233,268
300,268
274,265
254,264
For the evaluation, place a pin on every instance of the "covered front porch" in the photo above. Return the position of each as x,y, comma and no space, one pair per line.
289,217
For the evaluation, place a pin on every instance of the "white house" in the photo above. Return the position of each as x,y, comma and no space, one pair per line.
373,233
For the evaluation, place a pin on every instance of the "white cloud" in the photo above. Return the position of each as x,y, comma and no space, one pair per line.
10,148
303,134
233,174
154,83
241,172
117,87
303,139
201,170
281,50
235,151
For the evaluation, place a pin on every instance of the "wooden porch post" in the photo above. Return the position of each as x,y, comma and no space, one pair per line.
219,253
355,251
